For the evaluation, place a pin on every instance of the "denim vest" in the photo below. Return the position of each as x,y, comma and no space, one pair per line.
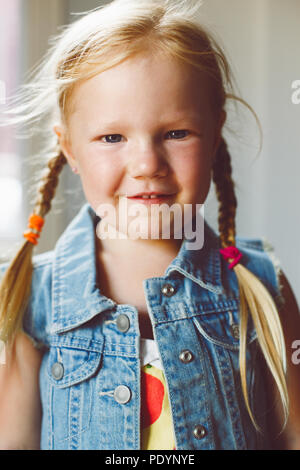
90,372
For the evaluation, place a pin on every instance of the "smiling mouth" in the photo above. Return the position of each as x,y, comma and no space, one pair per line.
152,198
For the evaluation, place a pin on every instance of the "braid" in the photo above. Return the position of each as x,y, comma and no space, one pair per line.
16,283
254,297
48,185
225,193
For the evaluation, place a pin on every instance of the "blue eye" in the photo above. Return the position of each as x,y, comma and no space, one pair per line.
113,140
116,138
179,134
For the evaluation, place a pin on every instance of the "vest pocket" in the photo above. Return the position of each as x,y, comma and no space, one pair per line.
223,328
71,377
220,332
219,337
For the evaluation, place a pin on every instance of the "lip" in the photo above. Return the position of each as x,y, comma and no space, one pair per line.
161,197
151,193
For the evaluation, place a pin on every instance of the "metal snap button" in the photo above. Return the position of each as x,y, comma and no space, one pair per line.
123,323
168,290
57,370
122,394
186,356
235,330
199,431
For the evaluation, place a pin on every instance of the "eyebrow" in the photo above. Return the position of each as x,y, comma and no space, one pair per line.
172,120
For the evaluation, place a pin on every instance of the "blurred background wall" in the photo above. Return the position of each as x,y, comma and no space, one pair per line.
261,39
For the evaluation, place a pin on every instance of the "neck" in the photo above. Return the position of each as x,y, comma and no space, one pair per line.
145,252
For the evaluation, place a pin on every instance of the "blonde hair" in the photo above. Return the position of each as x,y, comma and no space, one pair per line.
98,41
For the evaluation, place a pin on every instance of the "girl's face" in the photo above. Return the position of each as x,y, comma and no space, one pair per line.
145,125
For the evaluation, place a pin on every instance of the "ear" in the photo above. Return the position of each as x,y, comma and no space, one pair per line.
65,146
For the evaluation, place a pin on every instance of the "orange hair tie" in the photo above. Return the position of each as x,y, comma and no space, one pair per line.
35,224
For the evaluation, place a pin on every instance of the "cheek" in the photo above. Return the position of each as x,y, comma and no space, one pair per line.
194,170
100,175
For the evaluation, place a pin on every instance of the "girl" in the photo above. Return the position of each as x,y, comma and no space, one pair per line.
143,342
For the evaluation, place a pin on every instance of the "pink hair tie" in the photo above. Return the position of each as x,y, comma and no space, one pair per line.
231,252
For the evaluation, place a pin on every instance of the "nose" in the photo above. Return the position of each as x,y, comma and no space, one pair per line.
147,160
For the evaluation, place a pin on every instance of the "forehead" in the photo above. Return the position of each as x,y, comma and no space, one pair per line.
154,84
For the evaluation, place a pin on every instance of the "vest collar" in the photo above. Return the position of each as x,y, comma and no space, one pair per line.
75,303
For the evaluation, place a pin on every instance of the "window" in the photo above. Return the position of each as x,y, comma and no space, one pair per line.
11,220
